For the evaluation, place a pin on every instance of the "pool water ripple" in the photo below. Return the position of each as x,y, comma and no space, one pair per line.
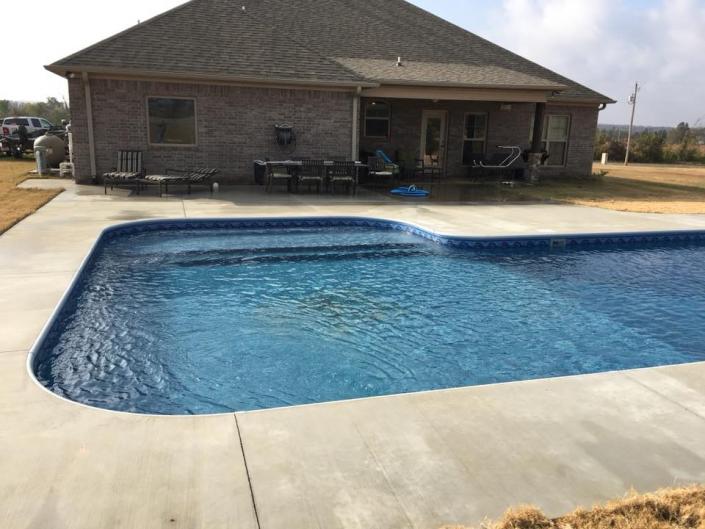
210,321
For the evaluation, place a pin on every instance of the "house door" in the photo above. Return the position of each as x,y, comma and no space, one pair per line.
433,137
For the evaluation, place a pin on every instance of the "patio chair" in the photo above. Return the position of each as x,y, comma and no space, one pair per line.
190,178
376,168
311,173
128,171
343,173
422,170
276,174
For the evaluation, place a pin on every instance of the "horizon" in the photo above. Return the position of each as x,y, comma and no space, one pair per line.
656,42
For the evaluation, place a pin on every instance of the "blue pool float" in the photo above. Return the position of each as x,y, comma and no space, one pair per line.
411,191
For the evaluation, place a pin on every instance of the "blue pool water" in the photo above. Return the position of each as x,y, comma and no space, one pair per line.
207,321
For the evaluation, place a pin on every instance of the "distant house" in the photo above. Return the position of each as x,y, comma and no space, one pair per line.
204,84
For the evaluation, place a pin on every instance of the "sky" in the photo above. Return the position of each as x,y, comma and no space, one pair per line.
607,45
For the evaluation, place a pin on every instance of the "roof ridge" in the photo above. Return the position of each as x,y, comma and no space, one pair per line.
126,31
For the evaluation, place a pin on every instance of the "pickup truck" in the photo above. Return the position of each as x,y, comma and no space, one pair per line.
11,143
32,124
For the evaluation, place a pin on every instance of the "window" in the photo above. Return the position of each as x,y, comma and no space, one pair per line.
474,137
377,118
17,121
36,123
46,124
172,121
556,130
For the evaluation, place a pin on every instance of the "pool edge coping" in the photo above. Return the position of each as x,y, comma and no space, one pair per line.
600,238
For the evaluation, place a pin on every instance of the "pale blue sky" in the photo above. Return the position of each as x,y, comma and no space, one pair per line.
605,44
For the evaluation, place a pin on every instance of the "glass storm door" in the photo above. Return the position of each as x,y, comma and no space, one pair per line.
433,137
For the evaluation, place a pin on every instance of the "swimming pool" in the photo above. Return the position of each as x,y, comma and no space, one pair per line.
207,317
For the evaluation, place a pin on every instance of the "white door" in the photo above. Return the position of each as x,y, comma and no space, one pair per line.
433,137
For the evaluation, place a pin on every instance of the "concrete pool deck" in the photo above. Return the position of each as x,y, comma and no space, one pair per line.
410,461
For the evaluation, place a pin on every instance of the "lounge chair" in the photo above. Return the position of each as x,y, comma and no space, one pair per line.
128,171
189,178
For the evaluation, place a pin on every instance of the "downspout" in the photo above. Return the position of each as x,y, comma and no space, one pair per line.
356,125
89,119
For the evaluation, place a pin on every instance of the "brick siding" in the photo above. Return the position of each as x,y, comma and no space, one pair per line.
235,125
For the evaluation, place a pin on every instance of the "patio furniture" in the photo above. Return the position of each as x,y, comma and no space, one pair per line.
128,171
189,178
344,173
311,172
376,167
500,160
280,172
389,164
423,170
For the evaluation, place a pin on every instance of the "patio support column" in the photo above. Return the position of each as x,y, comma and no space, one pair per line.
356,125
89,119
535,155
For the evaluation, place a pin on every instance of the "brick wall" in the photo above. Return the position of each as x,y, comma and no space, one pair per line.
505,127
235,125
79,128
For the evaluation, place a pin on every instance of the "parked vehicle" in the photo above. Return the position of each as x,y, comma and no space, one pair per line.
35,126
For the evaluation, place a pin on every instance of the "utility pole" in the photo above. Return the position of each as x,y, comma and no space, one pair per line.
632,102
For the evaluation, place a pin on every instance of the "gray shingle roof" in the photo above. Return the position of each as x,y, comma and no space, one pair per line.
448,74
328,41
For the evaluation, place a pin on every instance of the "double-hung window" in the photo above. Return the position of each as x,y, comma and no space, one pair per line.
556,131
377,119
474,137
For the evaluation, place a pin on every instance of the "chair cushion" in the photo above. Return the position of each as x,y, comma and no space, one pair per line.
121,176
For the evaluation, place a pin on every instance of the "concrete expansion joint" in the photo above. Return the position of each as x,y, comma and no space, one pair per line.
247,471
665,397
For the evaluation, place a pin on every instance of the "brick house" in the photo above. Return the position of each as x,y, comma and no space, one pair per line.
205,83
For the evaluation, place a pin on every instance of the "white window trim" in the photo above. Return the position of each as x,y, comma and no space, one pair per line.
388,119
544,138
195,122
483,139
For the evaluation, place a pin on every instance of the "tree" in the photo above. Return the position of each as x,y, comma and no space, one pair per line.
679,134
648,147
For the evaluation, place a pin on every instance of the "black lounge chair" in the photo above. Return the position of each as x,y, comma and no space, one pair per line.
128,171
189,178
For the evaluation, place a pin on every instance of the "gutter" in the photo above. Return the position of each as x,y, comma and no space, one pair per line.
64,70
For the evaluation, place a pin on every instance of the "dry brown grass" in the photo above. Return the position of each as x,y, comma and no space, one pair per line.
682,508
16,203
638,188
